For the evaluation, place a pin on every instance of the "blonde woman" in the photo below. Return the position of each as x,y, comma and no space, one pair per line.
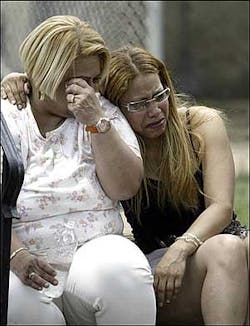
80,157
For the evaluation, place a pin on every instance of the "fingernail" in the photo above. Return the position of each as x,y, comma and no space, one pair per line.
168,301
19,106
13,102
46,285
55,282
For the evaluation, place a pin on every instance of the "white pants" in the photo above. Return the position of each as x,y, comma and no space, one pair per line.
109,283
27,307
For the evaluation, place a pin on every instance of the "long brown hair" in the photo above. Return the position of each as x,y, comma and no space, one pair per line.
179,162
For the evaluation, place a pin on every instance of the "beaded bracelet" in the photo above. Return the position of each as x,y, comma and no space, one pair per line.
187,239
14,253
194,237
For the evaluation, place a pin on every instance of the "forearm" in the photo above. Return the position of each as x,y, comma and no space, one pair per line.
18,253
118,168
16,243
211,221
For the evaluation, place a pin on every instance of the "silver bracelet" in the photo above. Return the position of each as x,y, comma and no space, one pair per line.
188,239
194,237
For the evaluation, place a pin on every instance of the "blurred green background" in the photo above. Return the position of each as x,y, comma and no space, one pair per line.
241,198
238,131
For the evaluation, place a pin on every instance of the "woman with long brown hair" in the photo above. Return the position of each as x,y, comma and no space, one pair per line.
186,198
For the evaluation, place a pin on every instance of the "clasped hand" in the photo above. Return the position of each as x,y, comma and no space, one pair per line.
82,101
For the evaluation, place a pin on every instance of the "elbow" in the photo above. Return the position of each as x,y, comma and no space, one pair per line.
128,193
223,212
226,210
128,189
122,196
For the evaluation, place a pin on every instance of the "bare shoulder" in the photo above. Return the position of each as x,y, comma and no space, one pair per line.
204,112
204,119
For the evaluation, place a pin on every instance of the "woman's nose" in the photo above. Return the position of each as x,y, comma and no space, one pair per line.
153,109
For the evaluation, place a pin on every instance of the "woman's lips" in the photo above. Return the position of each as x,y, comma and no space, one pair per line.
157,124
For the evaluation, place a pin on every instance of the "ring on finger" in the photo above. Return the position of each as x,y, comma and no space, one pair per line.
31,275
72,100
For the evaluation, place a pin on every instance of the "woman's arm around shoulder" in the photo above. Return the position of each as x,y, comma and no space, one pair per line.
15,87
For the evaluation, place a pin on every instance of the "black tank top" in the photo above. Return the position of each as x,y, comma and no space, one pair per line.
160,228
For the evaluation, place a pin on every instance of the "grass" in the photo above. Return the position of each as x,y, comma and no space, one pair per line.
241,199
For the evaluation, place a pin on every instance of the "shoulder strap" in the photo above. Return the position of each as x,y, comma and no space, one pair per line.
188,123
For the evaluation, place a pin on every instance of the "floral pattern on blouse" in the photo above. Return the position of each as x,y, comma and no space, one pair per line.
60,182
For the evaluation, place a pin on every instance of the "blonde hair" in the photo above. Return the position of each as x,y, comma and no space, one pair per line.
50,49
179,161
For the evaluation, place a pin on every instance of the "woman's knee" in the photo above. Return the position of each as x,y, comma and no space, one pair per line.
127,263
110,260
27,306
111,277
224,250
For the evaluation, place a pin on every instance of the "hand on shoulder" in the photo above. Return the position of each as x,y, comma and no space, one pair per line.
15,87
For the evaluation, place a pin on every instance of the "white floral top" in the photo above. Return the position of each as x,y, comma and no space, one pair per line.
60,182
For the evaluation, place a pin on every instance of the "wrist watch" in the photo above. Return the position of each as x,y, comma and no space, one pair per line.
103,125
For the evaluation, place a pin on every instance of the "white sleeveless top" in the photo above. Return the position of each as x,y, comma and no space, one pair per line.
60,183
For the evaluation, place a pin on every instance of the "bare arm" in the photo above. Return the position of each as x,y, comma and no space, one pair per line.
118,168
218,179
14,87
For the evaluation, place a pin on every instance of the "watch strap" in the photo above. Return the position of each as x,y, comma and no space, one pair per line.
102,126
92,129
